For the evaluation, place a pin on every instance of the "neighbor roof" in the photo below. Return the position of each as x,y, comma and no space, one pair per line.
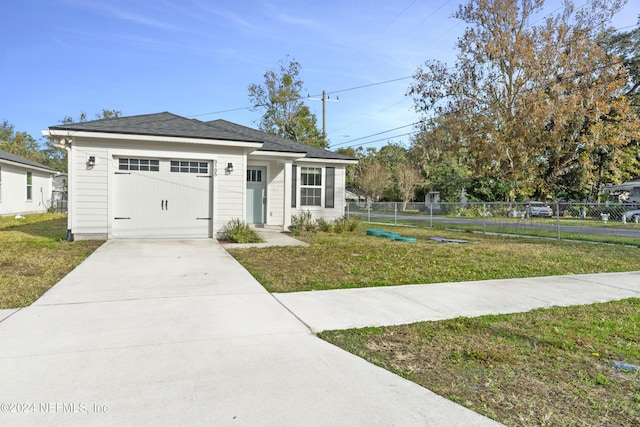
5,155
160,124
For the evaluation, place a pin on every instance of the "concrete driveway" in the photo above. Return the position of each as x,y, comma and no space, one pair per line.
171,333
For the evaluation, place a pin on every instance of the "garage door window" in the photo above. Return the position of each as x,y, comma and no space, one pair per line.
182,166
147,165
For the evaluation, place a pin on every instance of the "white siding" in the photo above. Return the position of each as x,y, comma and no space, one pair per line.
229,191
13,197
91,189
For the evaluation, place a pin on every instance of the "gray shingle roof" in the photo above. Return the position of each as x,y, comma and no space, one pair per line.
168,124
276,143
4,155
160,124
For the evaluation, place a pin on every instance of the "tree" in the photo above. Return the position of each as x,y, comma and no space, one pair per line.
531,103
407,178
285,114
19,143
372,179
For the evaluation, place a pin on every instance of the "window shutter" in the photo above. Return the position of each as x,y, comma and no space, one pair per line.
294,184
329,191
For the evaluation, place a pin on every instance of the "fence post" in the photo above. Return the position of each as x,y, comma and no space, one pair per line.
431,215
395,213
558,219
369,207
484,218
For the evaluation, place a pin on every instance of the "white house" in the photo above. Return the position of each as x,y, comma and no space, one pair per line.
166,176
25,185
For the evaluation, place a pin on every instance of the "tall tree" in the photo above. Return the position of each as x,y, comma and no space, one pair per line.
532,102
372,178
285,114
19,143
407,179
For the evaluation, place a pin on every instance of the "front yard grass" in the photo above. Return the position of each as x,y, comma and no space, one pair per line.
569,366
34,256
334,261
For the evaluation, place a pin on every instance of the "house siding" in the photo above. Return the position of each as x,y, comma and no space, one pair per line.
92,189
13,199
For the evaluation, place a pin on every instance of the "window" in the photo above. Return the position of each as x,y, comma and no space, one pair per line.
183,166
310,186
254,175
145,165
29,185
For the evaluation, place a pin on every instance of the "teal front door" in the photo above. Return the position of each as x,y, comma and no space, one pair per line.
256,194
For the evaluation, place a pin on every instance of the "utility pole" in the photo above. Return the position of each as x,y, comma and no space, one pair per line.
324,100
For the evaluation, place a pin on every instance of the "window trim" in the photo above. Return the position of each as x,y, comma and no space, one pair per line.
189,166
29,186
136,164
315,199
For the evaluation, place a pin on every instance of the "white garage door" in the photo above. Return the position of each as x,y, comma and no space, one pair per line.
161,198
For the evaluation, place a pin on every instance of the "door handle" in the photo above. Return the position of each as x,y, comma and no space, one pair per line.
162,204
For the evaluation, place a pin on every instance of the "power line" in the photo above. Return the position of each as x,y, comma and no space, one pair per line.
375,134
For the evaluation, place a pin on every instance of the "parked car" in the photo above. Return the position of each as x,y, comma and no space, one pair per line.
538,209
632,216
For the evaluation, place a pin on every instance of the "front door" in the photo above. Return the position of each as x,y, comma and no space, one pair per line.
256,194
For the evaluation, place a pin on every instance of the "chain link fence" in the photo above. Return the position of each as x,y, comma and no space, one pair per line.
580,221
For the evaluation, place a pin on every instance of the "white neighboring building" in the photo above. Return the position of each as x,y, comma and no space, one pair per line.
25,185
166,176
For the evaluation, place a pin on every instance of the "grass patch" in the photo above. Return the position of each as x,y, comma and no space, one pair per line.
34,256
334,261
521,228
546,367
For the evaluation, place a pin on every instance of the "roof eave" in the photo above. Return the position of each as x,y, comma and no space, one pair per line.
69,133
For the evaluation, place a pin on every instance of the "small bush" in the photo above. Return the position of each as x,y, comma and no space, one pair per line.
238,231
301,222
324,225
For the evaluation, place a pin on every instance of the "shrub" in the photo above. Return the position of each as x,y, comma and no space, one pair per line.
238,231
301,222
324,225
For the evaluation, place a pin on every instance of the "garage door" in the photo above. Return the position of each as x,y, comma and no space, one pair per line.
162,198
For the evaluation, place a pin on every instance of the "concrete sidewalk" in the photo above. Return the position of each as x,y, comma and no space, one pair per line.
168,333
395,305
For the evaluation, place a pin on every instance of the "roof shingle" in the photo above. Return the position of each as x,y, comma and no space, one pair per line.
168,124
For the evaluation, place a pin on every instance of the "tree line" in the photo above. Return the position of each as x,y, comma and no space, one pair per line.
532,108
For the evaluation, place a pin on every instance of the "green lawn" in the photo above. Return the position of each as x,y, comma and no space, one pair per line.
569,366
546,367
334,261
34,256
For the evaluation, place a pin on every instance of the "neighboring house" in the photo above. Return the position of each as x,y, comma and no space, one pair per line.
162,175
627,192
25,185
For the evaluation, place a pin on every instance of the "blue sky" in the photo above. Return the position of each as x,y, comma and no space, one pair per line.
196,58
